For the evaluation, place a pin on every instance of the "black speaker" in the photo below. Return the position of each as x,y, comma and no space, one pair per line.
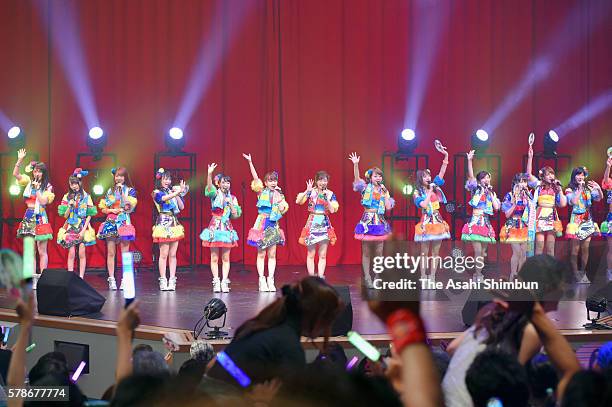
344,320
604,292
63,293
473,305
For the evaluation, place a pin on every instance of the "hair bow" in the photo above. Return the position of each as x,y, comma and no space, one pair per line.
368,173
113,170
30,166
586,171
79,173
159,173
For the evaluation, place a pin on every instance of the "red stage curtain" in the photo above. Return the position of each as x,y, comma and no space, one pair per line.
301,84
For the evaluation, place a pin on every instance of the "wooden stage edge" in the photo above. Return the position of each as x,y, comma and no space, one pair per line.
184,338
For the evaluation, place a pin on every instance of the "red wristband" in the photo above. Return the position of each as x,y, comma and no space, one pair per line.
405,328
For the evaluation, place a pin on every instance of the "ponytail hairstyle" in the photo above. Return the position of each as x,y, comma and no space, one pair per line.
573,184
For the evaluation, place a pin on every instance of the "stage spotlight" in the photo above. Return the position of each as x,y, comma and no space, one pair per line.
215,309
596,303
407,142
14,190
16,138
407,189
98,189
480,140
550,143
175,140
96,141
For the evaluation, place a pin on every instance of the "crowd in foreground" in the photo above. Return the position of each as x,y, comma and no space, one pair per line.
512,356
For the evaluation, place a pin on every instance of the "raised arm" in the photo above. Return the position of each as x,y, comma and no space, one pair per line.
127,324
470,158
21,154
16,372
251,166
444,161
355,160
606,178
302,197
529,168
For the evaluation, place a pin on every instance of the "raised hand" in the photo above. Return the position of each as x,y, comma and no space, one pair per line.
309,185
247,157
470,155
593,185
441,148
183,186
21,154
530,152
354,158
609,162
212,166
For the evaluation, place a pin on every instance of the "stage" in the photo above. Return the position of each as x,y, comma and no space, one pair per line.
179,310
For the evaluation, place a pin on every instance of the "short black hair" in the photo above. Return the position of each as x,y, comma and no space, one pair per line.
497,374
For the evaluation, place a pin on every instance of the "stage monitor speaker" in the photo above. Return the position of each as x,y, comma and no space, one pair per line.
472,306
606,292
63,293
344,321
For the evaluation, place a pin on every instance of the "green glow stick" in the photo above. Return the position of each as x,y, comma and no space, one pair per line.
29,258
29,348
364,346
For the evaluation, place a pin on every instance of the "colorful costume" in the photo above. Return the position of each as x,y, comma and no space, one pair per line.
581,225
372,226
76,209
431,226
318,227
167,227
271,206
546,218
479,228
220,232
118,226
35,222
515,229
606,225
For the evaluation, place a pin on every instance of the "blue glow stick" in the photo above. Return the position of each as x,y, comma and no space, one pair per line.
351,364
78,372
7,331
495,402
364,346
129,290
228,364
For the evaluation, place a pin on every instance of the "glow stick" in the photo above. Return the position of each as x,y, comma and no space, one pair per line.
351,364
29,258
77,373
7,331
29,348
228,364
364,346
129,290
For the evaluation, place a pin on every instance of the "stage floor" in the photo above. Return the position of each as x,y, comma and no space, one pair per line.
182,308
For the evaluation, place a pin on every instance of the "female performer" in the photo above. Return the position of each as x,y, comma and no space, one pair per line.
515,231
606,225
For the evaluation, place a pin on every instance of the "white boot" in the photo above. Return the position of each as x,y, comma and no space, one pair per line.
172,284
112,284
35,278
225,285
263,286
271,286
216,285
163,284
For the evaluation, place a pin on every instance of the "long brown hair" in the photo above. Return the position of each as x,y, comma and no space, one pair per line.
314,302
122,171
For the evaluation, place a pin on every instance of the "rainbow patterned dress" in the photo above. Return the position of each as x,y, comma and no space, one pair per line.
220,232
373,226
431,226
167,228
318,227
546,217
271,206
76,209
35,222
479,228
581,225
515,229
606,225
118,226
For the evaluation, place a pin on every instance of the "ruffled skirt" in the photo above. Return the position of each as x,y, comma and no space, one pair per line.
514,231
35,225
167,229
478,229
265,233
68,236
431,227
372,227
318,229
219,233
547,220
113,229
581,227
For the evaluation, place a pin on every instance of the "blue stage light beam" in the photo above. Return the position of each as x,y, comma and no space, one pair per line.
5,123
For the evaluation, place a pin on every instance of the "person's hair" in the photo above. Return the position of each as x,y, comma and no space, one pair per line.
49,363
542,174
372,171
270,176
158,181
191,373
420,175
142,347
587,388
138,390
497,374
44,178
518,177
573,184
76,398
311,300
150,363
549,273
75,180
504,327
122,171
481,175
542,378
321,174
219,178
202,351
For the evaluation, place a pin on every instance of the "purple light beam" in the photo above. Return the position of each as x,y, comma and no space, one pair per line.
5,122
595,107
